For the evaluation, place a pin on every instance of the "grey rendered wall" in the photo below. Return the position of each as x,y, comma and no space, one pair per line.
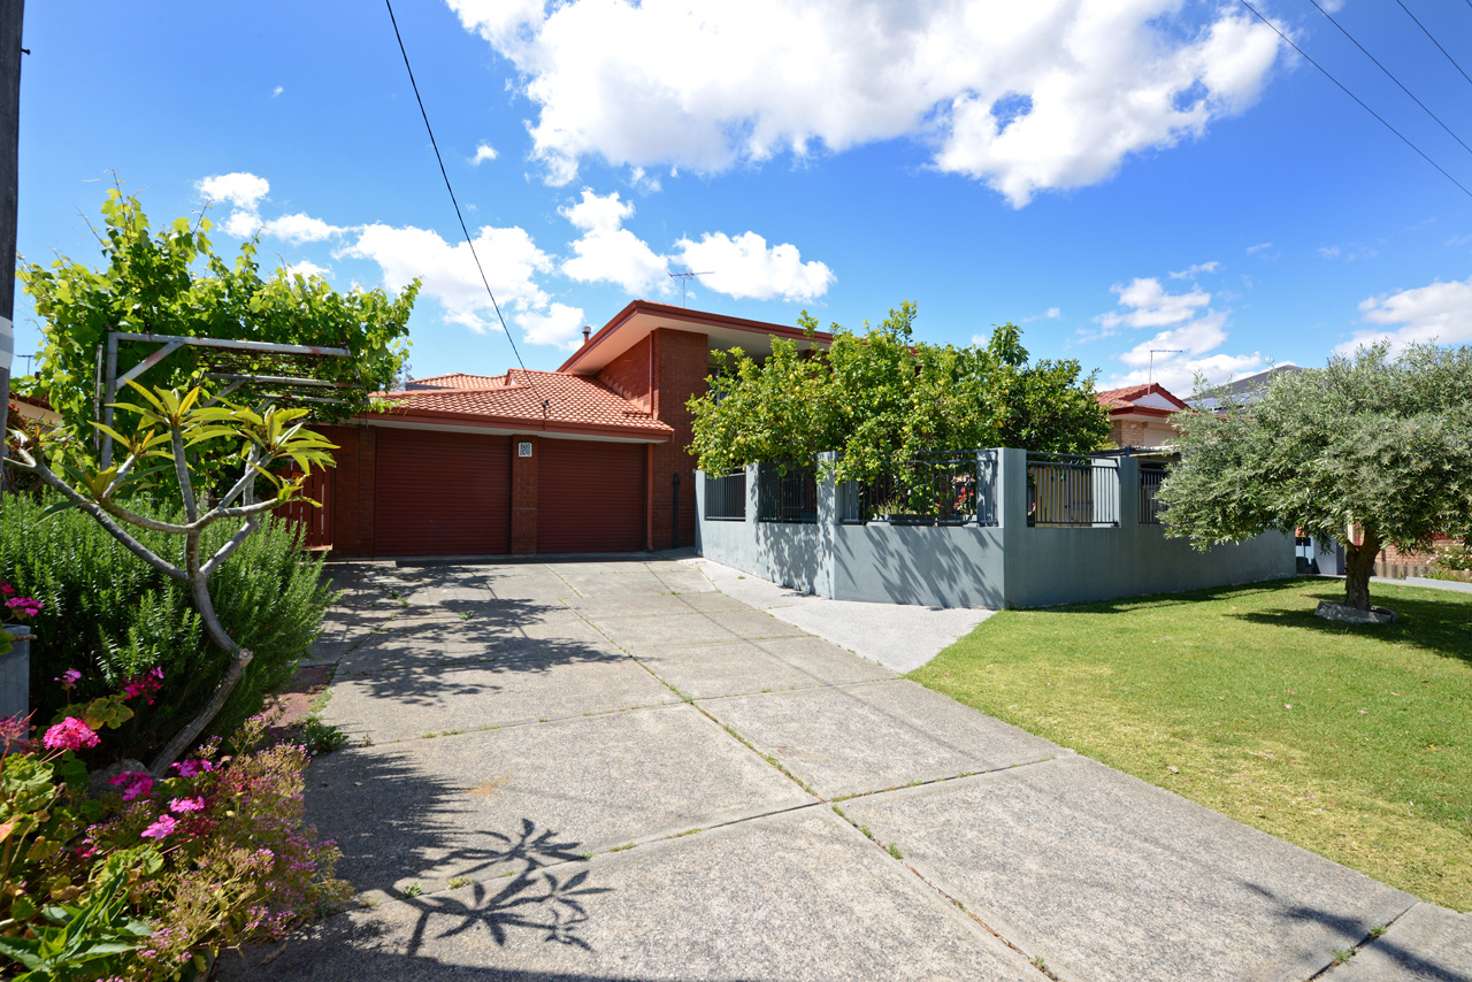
1046,566
943,566
1014,565
787,553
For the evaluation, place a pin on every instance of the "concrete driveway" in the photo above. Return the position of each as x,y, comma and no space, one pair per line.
616,771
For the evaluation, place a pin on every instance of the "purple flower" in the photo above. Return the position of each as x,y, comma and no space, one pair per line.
185,805
70,734
69,678
193,768
162,828
135,784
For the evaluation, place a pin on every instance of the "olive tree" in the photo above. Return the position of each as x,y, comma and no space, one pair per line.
1370,450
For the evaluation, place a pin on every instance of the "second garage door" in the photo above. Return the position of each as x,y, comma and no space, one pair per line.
441,494
590,496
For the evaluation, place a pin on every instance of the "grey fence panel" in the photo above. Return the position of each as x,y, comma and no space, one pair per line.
1071,490
1151,476
725,497
787,494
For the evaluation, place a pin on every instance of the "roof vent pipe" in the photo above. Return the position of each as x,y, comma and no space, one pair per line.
587,333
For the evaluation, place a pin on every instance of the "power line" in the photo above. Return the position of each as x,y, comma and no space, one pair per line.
1390,75
1433,40
448,187
1362,104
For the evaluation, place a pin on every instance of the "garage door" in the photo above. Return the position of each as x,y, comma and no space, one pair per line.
438,494
590,496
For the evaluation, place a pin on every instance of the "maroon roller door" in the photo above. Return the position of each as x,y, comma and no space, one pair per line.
590,496
438,494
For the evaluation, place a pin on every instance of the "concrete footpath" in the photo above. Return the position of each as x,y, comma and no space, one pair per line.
617,771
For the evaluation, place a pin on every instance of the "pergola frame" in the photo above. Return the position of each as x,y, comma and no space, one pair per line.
109,381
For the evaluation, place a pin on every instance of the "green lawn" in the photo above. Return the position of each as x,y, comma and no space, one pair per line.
1353,742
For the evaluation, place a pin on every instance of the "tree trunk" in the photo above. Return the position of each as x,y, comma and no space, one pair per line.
1359,564
240,659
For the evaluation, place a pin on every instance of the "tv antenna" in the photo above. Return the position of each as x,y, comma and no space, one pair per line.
684,279
1161,351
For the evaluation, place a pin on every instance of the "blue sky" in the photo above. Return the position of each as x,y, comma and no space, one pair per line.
1115,176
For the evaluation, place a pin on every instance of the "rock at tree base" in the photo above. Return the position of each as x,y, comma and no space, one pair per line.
1345,614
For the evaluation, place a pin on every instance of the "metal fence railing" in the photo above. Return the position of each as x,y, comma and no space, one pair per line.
938,489
1150,507
1072,490
787,494
725,497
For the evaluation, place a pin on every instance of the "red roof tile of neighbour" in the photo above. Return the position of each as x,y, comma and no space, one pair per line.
456,380
1124,399
573,404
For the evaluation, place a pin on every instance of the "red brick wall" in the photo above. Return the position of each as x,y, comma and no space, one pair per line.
628,374
681,363
524,496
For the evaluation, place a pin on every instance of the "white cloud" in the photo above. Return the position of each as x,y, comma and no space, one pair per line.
1144,302
1440,313
1026,97
275,92
307,268
1191,339
242,224
745,267
607,252
239,188
299,227
483,152
1196,269
1349,254
644,181
510,258
1259,248
559,325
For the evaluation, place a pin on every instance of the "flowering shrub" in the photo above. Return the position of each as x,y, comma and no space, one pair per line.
115,618
16,610
145,876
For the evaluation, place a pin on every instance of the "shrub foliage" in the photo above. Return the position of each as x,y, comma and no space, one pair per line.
114,618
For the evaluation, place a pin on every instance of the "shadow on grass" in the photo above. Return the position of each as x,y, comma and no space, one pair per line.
1440,626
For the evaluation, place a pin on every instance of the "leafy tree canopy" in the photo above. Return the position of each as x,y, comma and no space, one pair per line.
1369,450
882,399
173,282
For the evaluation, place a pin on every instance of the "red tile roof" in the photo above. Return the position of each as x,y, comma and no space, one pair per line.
573,404
1123,399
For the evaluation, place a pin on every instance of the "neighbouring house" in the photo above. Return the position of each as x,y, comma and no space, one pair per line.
32,409
588,458
1139,415
1243,392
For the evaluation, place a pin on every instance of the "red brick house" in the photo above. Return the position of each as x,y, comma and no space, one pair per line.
589,458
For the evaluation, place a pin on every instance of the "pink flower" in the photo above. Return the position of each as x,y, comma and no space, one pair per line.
15,729
24,606
162,828
184,805
69,678
6,590
144,685
70,734
135,784
192,768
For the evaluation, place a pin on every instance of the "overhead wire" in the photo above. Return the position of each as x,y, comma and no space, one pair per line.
1362,104
450,188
